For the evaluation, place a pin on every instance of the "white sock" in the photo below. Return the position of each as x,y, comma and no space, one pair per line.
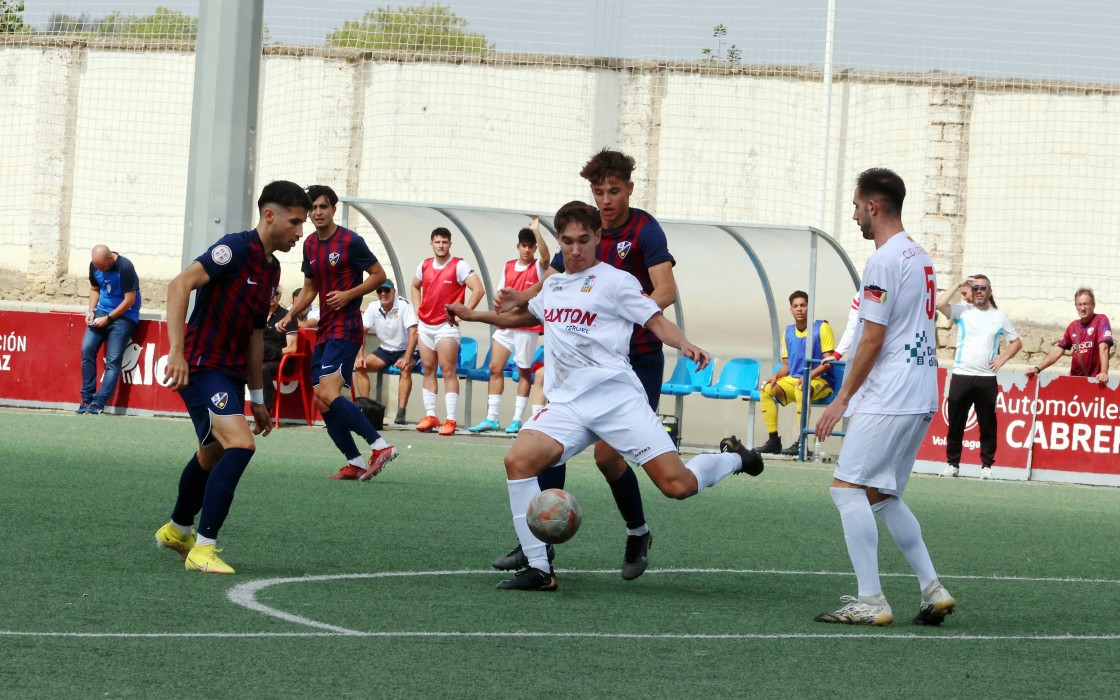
452,405
357,462
638,531
535,409
907,534
201,541
521,492
181,529
378,444
519,407
430,403
861,533
493,406
710,469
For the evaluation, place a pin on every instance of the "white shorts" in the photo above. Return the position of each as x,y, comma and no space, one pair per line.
521,344
430,335
880,450
616,412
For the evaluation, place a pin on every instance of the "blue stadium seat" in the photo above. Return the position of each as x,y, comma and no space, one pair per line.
687,379
738,379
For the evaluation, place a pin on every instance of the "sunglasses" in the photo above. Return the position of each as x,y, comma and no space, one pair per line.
385,290
979,288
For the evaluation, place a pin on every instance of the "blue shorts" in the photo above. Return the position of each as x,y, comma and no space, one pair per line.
333,355
650,368
213,391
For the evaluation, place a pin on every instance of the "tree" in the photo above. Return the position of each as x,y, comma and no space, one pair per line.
10,20
733,53
163,24
424,27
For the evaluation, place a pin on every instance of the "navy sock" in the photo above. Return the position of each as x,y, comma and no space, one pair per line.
553,477
353,418
192,486
219,490
628,498
340,433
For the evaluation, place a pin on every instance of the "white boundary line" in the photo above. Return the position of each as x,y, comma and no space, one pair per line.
244,594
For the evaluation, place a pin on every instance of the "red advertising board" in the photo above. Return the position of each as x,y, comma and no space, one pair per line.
41,365
1058,428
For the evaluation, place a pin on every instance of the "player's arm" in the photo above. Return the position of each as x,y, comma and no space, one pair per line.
514,318
670,334
542,244
510,298
302,303
866,353
178,295
417,292
291,343
1053,356
827,343
845,343
409,348
664,284
262,418
94,297
1103,348
125,305
945,299
477,292
1013,347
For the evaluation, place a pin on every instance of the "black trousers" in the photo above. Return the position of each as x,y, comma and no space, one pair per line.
966,392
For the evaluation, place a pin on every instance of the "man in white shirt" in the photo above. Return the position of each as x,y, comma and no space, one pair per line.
589,312
980,326
393,320
889,396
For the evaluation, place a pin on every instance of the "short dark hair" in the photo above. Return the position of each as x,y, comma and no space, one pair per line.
316,191
526,235
799,295
440,232
577,212
606,163
991,297
885,185
283,193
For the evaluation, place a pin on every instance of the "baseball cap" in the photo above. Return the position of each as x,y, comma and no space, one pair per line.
387,284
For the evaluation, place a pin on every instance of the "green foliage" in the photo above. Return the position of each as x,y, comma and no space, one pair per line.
733,53
424,27
10,21
163,24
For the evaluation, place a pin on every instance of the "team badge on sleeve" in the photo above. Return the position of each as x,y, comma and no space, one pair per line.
221,254
875,295
220,399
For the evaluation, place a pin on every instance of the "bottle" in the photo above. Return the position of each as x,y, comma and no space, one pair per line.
818,452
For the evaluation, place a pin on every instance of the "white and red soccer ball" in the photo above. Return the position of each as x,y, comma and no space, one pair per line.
553,516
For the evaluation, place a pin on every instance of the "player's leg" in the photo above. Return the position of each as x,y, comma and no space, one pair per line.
499,356
116,341
525,346
91,344
429,361
957,404
404,391
361,376
447,352
769,401
984,394
331,371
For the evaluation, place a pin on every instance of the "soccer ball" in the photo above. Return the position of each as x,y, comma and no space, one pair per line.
553,516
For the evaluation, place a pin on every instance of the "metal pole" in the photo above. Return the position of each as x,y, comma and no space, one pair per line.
826,115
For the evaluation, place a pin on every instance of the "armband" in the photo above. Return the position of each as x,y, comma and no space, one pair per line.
256,396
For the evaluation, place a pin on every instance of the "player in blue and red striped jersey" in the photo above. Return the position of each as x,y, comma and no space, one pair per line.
208,364
334,261
631,240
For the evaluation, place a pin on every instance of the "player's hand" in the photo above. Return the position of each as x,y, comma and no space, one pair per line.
402,362
534,223
177,374
1032,371
697,354
1102,378
800,381
100,322
458,312
262,419
830,418
966,283
282,324
89,318
338,299
995,364
508,299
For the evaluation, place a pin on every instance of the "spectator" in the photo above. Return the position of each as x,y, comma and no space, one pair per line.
439,281
393,320
785,384
1088,339
309,317
980,326
276,344
114,312
520,273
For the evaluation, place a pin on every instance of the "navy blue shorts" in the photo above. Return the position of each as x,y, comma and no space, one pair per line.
650,368
213,391
389,357
332,356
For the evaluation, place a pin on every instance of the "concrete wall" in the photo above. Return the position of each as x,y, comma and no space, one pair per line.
1015,180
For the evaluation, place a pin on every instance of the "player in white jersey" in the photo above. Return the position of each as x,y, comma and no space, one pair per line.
889,396
589,312
972,385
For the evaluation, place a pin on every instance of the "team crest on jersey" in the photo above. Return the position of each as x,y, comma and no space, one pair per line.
623,248
588,282
333,258
221,254
220,399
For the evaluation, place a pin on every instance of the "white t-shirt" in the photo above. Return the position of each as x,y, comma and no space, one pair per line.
845,343
899,289
462,271
978,334
588,319
391,327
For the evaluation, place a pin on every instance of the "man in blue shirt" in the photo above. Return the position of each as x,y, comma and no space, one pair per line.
114,311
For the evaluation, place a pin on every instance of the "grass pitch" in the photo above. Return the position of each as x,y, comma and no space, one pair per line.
383,589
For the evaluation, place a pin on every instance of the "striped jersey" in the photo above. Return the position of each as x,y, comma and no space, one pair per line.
337,264
636,246
233,304
1082,340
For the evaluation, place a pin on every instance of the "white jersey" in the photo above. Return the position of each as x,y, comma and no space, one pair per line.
899,286
978,336
588,319
391,327
845,343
